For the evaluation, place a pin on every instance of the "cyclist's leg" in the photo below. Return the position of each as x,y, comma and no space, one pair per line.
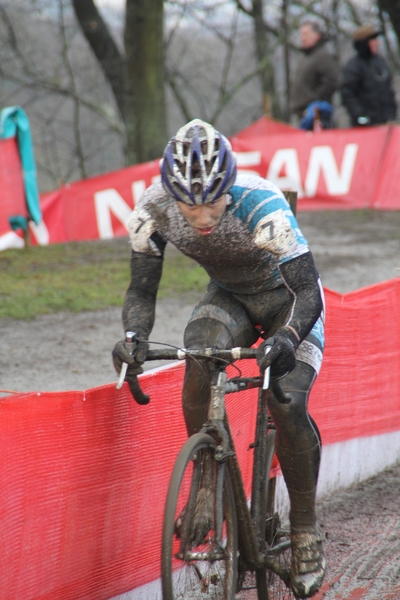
219,320
298,446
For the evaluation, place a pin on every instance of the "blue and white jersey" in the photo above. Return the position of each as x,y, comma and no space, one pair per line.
262,207
257,234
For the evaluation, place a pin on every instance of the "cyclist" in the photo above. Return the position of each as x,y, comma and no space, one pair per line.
240,228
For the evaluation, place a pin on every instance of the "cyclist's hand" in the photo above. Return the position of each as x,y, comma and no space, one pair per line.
121,354
281,357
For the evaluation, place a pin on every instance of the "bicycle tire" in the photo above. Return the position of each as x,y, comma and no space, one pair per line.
187,572
269,585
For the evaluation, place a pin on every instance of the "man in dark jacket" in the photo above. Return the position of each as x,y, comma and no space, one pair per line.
317,73
366,85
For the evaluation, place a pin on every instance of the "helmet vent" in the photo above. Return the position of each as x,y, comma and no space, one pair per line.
198,164
215,185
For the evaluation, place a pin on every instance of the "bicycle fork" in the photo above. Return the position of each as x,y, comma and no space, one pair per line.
216,415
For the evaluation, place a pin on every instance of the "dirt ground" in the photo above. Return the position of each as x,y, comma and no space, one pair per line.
351,250
73,351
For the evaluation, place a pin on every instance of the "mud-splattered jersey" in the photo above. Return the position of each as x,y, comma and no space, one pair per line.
257,233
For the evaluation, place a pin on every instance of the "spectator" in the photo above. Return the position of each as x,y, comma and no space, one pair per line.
316,78
366,85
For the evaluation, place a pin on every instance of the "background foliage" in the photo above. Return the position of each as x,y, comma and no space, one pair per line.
226,61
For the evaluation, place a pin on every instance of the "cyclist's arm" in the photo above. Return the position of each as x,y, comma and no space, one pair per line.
148,247
276,230
302,280
138,311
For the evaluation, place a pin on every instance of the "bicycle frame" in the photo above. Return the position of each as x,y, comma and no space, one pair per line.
251,522
254,554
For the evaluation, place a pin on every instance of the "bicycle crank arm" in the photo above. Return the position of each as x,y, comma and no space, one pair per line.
275,566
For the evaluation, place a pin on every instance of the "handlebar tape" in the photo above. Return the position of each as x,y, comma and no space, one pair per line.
137,393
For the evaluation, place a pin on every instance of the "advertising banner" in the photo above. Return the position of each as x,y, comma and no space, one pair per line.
331,169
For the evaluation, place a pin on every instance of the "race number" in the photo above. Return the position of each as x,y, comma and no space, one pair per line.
274,233
141,227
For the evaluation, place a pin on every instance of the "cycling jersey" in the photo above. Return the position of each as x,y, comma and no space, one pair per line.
256,235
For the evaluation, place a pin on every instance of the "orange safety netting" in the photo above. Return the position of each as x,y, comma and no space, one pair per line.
83,475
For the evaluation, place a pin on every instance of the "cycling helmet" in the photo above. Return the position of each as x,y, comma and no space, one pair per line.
198,165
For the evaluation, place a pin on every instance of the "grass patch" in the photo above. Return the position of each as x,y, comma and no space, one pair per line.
81,276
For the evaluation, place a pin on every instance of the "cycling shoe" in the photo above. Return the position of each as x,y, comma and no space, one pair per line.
308,563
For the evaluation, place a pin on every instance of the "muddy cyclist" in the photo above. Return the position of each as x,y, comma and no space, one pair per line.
241,230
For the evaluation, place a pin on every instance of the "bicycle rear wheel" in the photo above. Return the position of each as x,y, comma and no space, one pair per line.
206,570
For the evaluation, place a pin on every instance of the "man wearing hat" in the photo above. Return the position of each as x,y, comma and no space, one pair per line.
366,85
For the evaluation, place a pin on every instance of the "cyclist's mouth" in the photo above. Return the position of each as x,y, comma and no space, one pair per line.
205,230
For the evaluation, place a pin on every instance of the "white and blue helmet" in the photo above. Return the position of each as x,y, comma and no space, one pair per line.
198,165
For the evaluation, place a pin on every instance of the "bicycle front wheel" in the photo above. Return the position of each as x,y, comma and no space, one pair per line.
199,566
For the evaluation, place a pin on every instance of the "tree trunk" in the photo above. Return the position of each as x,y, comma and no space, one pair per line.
392,7
137,80
144,46
286,57
105,50
270,100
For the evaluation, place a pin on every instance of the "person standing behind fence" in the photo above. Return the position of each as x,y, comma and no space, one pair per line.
366,85
316,78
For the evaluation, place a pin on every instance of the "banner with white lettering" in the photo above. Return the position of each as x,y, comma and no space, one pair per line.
98,207
332,169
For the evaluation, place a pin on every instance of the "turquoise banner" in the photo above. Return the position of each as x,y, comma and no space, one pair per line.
14,122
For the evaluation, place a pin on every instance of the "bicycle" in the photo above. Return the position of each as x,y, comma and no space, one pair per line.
244,548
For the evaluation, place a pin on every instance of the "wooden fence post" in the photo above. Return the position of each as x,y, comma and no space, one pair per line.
291,197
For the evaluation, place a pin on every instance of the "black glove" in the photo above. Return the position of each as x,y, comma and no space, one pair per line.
282,355
120,354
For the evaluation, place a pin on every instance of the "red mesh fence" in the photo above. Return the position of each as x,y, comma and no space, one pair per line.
83,475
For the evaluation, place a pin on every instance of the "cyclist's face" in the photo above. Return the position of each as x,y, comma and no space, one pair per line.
204,218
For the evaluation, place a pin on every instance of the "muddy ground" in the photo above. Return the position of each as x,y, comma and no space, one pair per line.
352,250
72,351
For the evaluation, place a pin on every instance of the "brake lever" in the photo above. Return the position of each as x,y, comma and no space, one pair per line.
267,349
129,337
278,392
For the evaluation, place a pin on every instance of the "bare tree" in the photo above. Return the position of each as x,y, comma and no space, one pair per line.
96,95
44,68
136,78
392,8
264,53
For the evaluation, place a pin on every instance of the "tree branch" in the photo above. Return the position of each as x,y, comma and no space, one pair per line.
105,49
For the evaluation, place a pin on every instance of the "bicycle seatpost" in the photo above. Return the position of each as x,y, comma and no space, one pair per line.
129,336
